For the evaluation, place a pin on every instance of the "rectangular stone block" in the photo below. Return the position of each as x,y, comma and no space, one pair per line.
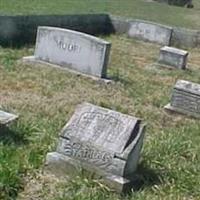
173,57
101,141
185,98
72,50
6,117
151,32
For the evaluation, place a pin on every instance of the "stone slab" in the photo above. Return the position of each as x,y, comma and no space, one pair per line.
60,164
102,141
173,57
6,117
102,127
73,50
185,98
36,62
151,32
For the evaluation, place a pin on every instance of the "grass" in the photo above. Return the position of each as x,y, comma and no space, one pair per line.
46,97
142,9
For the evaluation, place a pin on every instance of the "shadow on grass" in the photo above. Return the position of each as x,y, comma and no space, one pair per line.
146,177
118,78
12,135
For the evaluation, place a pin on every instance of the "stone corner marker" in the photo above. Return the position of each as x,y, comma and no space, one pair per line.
150,31
174,57
102,141
71,50
185,99
6,118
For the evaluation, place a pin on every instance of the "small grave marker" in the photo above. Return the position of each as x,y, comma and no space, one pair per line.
173,57
71,50
6,117
102,141
185,98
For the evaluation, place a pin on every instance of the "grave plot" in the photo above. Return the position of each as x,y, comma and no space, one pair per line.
46,98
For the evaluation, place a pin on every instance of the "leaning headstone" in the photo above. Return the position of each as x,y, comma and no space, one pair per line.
71,50
149,31
102,141
173,57
6,118
185,98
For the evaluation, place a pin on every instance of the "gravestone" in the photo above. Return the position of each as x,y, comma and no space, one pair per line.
6,118
185,98
102,141
182,3
71,50
149,31
173,57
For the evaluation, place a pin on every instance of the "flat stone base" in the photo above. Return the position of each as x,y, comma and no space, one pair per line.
6,118
170,67
34,61
62,165
180,111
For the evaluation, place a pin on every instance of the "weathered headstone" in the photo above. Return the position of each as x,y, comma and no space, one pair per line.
173,57
102,141
182,3
185,98
6,117
151,32
72,50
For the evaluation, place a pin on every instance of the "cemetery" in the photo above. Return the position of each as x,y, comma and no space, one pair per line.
98,101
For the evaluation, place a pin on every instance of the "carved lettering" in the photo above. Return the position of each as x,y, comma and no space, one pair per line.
186,101
85,152
96,123
67,46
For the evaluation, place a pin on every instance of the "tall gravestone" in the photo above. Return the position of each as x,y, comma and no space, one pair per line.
102,141
185,98
71,50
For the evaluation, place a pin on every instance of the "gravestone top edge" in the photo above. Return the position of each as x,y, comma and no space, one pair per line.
81,34
174,50
105,128
188,86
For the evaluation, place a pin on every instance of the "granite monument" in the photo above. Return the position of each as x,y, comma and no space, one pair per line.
102,141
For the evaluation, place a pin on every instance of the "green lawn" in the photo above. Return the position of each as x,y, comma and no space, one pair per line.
142,9
45,98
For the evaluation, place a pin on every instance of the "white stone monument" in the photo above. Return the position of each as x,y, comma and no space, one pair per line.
71,50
